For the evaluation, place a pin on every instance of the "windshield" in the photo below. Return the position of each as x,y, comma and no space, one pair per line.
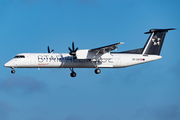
19,56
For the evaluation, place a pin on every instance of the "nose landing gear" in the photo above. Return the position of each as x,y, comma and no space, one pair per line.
12,71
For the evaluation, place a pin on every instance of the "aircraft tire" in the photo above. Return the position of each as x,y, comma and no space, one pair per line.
73,74
97,71
12,71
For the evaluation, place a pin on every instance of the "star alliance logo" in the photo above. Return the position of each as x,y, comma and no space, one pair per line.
156,40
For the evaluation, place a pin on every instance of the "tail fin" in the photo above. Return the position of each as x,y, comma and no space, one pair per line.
155,41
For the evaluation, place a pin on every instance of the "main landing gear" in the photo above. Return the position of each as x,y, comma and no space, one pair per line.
97,71
12,71
73,74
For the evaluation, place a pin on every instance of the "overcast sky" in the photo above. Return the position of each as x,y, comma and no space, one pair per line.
149,91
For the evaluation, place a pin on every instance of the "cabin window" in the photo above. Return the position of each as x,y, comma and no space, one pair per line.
19,56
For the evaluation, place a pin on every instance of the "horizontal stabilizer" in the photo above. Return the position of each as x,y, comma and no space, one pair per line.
159,30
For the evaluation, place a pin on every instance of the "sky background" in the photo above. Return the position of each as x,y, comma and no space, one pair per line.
149,91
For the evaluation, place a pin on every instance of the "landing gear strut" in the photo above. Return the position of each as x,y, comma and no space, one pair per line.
12,71
73,74
97,71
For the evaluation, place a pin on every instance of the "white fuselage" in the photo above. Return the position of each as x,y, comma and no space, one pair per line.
64,60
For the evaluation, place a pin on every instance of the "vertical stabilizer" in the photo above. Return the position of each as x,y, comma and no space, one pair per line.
155,41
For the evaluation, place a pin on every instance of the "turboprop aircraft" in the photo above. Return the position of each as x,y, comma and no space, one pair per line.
93,58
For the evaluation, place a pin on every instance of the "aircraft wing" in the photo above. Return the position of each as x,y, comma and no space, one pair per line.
96,53
105,49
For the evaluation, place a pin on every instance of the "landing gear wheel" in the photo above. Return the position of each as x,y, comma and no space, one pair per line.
73,74
97,71
12,71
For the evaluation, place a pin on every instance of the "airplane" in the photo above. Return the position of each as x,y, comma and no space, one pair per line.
97,58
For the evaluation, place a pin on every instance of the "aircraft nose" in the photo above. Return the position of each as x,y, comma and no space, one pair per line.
8,64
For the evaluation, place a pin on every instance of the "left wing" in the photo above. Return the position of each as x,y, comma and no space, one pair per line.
97,52
105,49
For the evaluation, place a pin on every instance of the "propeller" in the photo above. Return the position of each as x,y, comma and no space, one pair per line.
72,51
51,50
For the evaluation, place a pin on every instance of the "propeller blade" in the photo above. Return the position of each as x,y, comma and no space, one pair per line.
48,50
73,46
69,49
72,50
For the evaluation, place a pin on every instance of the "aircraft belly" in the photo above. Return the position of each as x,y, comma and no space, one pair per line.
78,65
87,64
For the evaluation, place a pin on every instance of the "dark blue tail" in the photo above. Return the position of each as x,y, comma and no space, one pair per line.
154,43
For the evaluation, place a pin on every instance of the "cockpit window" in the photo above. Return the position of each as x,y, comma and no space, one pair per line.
19,56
